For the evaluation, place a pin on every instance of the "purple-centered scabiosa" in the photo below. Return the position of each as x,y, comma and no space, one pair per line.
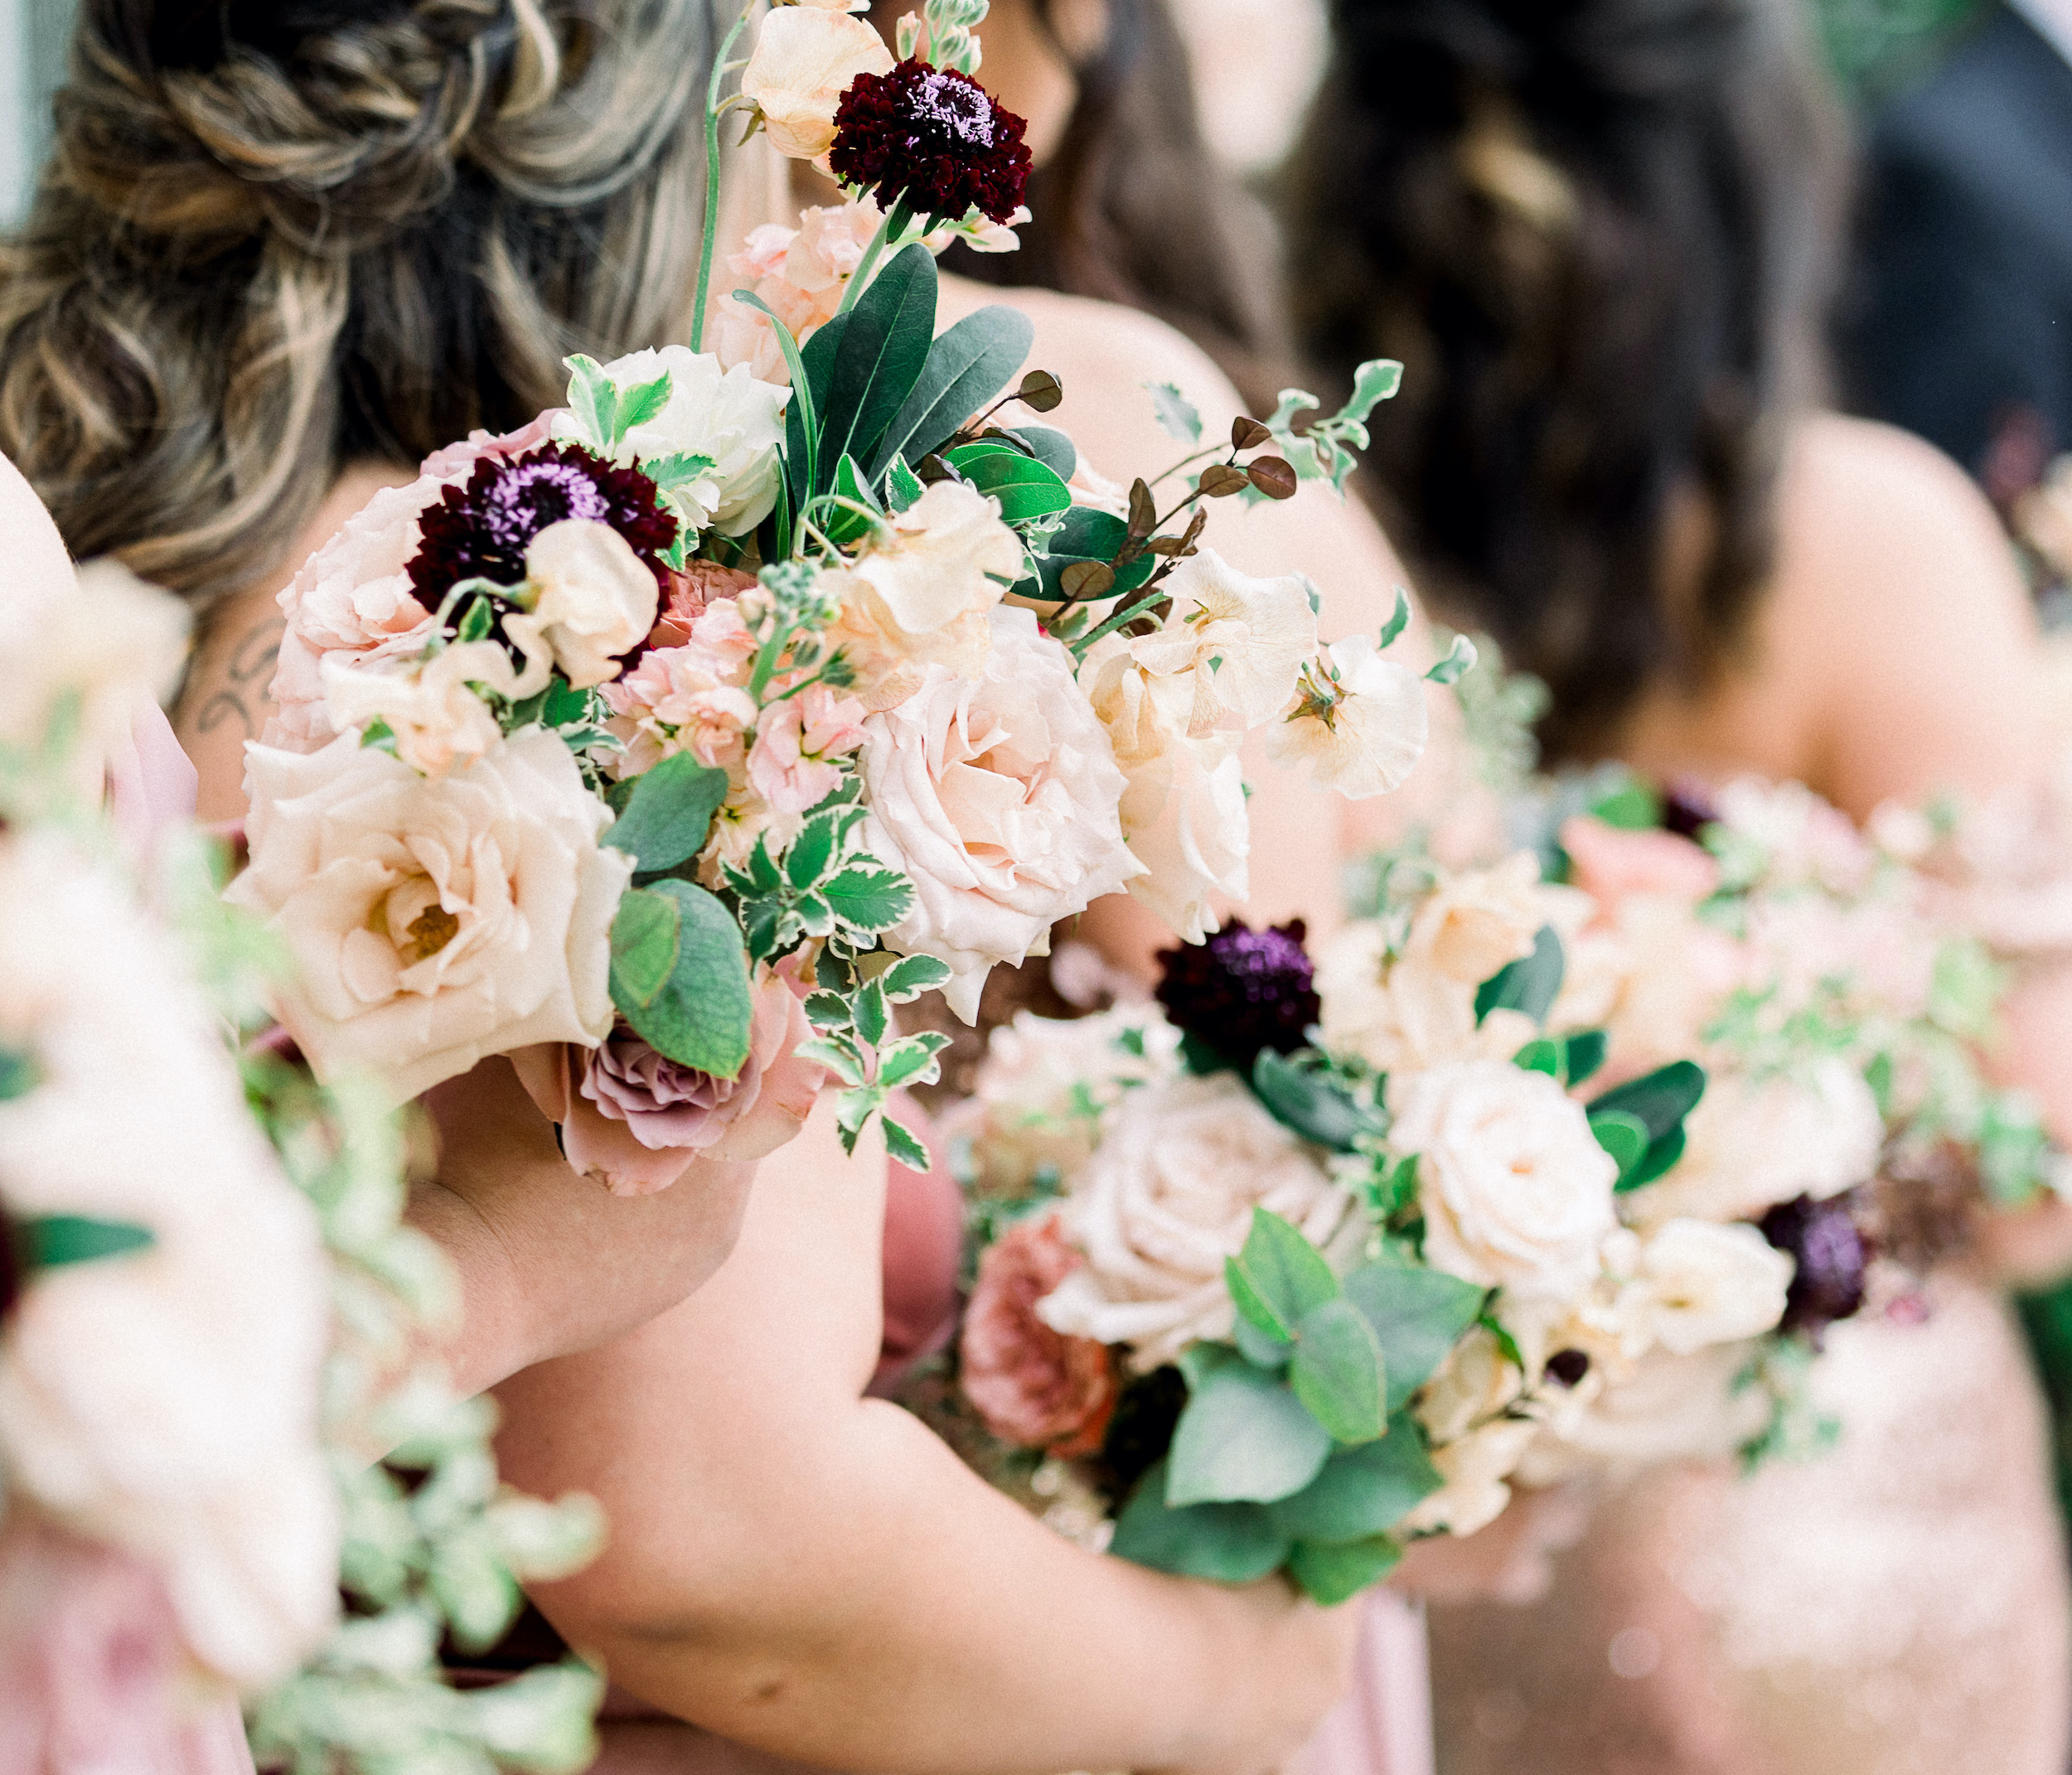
482,529
1824,1240
1243,991
933,139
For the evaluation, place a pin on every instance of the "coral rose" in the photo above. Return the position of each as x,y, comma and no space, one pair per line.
1035,1386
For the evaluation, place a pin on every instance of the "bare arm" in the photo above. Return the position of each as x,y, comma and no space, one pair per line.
816,1575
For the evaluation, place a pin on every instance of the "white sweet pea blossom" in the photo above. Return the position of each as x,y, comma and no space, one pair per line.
1241,641
593,598
946,557
725,415
1359,723
805,58
438,721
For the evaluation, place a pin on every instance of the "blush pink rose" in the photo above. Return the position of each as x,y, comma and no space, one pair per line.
634,1120
1033,1386
1611,865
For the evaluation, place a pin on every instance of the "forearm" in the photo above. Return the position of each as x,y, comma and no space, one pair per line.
870,1604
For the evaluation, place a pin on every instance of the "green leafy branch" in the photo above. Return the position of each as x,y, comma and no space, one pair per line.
852,1044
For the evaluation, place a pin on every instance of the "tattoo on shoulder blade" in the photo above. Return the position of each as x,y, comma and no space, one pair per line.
242,696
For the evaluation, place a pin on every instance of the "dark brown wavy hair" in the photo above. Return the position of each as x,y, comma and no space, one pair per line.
1595,232
275,236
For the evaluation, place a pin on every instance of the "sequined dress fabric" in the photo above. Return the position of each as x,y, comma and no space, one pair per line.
1898,1606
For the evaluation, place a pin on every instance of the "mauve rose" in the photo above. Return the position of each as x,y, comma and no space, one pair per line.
1033,1386
634,1120
692,590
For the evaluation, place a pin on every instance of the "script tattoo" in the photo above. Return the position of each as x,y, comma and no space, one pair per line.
242,696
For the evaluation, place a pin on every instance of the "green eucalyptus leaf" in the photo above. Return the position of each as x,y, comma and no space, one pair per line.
1333,1572
643,946
52,1242
1054,448
19,1073
1312,1105
966,367
1622,1136
1539,1055
1223,1543
1418,1316
1582,1055
1362,1491
1086,533
842,524
1177,414
699,1014
1337,1371
667,815
1530,984
1282,1272
1658,1161
1244,1438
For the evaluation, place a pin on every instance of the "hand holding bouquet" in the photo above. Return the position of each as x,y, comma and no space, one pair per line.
668,744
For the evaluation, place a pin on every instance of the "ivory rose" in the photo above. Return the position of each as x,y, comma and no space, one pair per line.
164,1402
1183,812
1366,739
434,923
1753,1142
1169,1195
593,598
1517,1193
805,58
634,1120
726,416
1035,1386
1241,642
997,798
1701,1283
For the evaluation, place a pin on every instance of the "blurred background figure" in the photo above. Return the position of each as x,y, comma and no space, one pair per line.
1961,329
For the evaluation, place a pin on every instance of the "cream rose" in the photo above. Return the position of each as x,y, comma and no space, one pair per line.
727,416
434,923
1404,1014
997,798
165,1401
1169,1195
805,59
1517,1193
1755,1142
1700,1283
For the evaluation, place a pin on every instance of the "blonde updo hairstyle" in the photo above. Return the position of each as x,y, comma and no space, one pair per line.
275,236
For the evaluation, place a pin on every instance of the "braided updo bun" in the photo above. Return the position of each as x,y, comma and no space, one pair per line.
1595,232
275,236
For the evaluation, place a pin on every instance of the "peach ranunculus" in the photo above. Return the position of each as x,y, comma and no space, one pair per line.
164,1402
1516,1191
1611,865
1165,1198
634,1120
805,58
434,923
792,765
1035,1386
352,602
996,797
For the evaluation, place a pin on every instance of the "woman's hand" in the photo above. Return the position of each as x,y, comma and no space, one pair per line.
551,1263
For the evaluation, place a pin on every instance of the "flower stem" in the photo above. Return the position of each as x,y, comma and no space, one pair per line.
719,71
1080,646
889,229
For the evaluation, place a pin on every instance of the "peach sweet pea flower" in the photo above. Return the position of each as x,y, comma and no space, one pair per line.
805,58
687,699
791,765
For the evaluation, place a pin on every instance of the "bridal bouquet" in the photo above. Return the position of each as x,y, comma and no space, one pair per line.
667,744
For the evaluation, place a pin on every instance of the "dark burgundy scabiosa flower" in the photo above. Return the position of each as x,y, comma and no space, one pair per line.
933,138
1243,991
481,529
1822,1239
1688,808
13,1258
